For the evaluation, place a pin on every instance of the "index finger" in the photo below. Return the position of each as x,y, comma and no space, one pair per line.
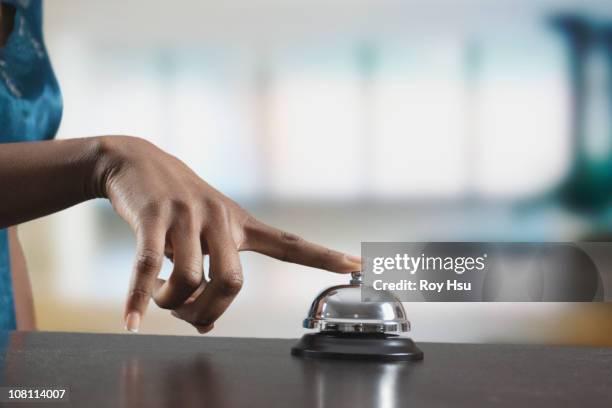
289,247
149,259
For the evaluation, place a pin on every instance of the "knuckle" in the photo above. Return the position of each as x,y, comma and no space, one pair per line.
152,209
290,238
182,207
291,245
148,262
138,295
186,315
250,223
219,210
190,278
231,284
164,303
185,216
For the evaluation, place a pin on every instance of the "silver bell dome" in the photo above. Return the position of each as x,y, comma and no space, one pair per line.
341,309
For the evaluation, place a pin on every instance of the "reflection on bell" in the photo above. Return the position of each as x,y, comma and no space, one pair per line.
352,329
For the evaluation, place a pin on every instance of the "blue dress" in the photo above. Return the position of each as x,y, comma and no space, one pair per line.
30,110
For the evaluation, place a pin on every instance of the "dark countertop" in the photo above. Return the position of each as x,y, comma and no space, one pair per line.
169,371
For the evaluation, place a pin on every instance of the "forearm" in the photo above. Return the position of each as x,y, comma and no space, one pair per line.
40,178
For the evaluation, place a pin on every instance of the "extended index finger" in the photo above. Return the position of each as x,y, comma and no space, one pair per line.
289,247
149,259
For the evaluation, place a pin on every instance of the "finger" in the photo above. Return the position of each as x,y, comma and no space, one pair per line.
199,328
289,247
160,282
149,258
192,298
187,273
224,284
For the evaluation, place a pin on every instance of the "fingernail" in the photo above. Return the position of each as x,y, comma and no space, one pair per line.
353,258
132,322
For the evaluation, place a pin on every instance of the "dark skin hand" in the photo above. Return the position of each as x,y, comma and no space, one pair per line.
171,210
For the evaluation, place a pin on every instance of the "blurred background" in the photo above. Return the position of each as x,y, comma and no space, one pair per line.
343,121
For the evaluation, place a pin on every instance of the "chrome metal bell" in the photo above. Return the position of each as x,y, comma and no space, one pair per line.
356,322
341,309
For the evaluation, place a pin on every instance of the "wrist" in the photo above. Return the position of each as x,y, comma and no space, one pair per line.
105,158
110,155
96,160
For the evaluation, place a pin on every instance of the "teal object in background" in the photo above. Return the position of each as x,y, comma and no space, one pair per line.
588,185
30,109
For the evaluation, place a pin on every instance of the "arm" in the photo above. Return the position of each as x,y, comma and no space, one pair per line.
40,178
171,211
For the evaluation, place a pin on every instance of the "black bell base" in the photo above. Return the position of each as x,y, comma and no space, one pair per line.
357,346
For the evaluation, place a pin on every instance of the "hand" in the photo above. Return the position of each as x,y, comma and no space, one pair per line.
174,212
